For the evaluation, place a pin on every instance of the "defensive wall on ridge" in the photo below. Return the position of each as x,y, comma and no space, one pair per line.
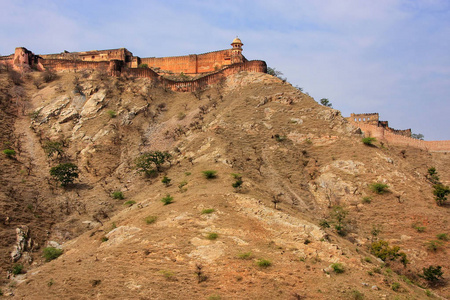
117,62
384,135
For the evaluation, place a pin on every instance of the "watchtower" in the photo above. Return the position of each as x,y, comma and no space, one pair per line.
236,51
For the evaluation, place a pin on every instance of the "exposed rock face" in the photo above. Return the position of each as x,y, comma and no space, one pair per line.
23,242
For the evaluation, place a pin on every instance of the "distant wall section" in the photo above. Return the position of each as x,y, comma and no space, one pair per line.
382,134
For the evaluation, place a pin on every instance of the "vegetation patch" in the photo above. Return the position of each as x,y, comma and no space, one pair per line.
117,195
368,141
208,211
151,219
10,153
245,255
167,199
65,173
378,188
209,174
337,268
129,203
212,236
51,253
263,263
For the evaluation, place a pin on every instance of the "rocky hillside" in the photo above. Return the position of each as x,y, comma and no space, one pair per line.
289,212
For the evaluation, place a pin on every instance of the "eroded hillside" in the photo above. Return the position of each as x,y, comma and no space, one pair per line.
298,161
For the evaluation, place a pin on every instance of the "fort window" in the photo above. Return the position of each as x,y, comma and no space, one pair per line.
93,57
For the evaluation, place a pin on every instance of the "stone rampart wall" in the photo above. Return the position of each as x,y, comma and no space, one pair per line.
192,85
381,134
60,64
191,64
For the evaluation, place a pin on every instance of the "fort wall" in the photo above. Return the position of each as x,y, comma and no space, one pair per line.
192,85
384,135
61,64
194,63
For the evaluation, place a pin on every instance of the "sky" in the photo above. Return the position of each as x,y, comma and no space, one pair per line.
385,56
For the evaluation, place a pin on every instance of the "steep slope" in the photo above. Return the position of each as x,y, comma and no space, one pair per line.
297,160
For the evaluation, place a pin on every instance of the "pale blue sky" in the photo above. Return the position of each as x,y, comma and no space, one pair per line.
386,56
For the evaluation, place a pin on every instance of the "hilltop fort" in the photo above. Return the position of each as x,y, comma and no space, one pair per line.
198,70
190,73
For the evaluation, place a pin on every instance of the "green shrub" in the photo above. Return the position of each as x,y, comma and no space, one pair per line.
367,259
51,253
395,286
209,174
166,180
366,200
263,263
143,66
10,153
117,195
112,114
151,219
442,236
212,236
419,228
104,239
208,211
378,187
65,173
337,268
368,141
382,250
434,245
129,203
167,199
440,193
245,255
17,269
238,183
432,273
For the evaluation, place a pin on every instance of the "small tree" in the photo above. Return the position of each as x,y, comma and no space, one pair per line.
432,175
166,180
432,273
440,192
418,136
65,173
148,161
326,102
275,72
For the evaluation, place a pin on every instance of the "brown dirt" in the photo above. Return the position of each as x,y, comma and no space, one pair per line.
278,139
